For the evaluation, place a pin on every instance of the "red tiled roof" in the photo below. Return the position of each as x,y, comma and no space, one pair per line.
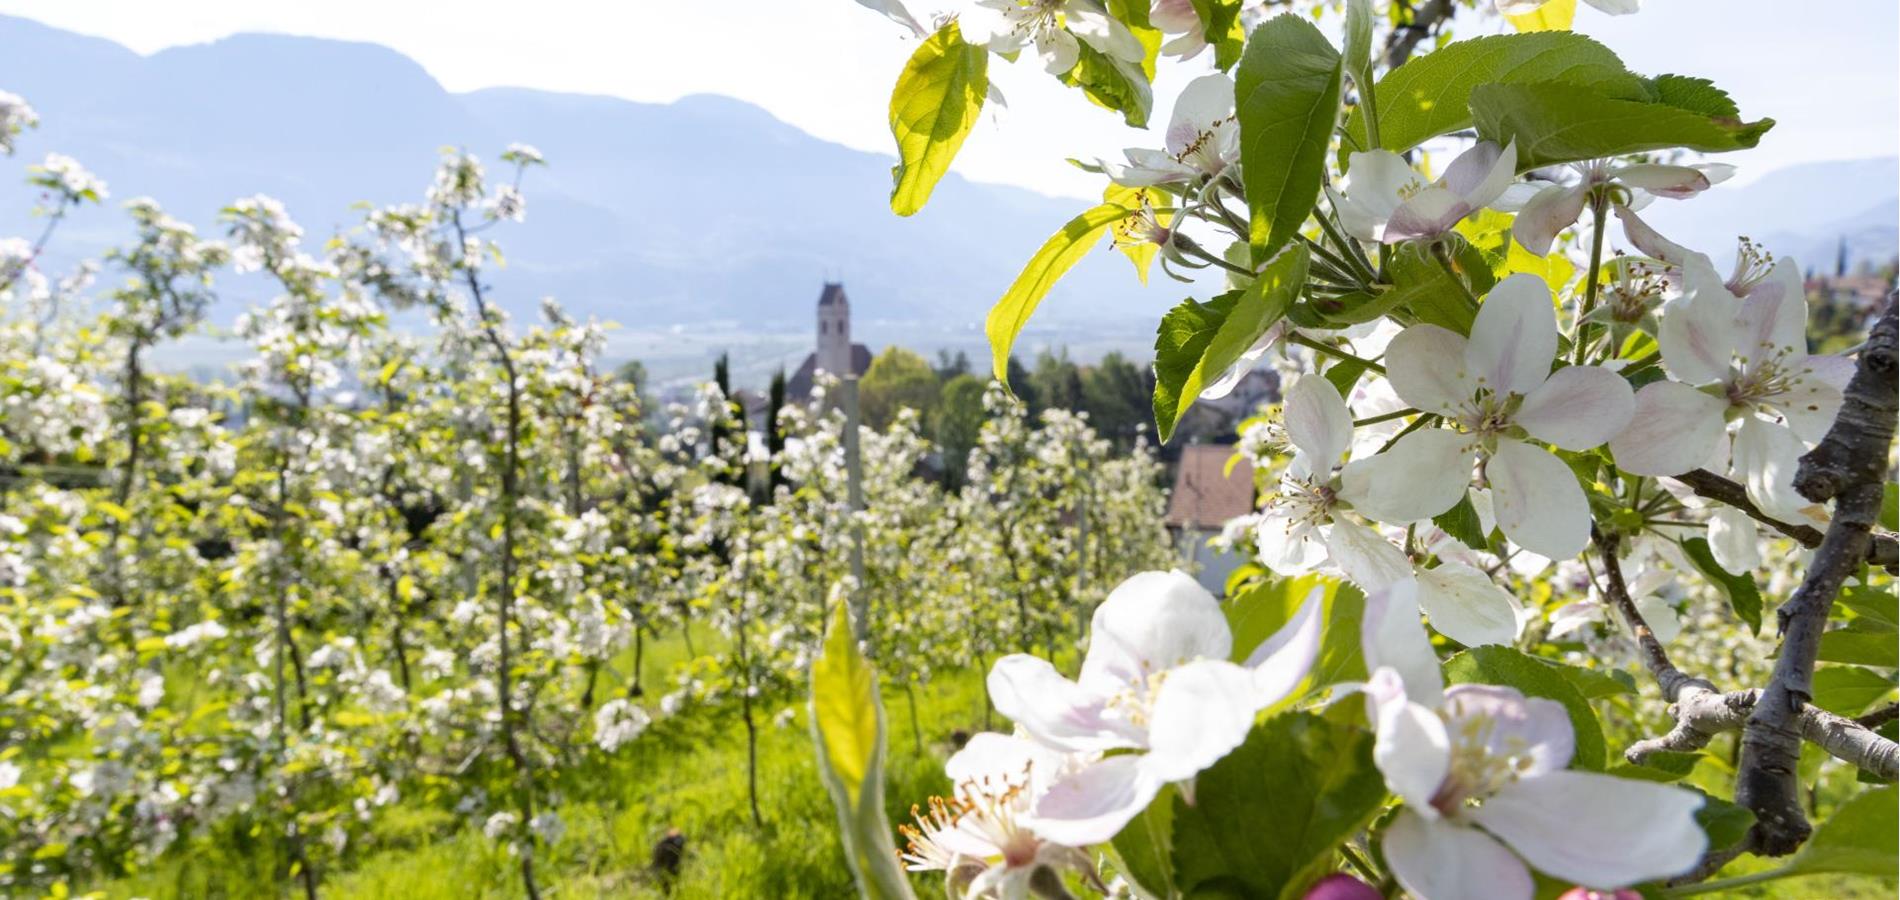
1205,495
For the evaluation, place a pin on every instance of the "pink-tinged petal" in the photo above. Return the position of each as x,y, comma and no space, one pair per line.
1430,212
1734,541
1536,730
1202,712
1379,179
1442,861
1054,710
1205,101
1091,805
1281,662
1356,217
1421,476
1552,210
1538,503
1673,429
1649,240
1698,334
1810,405
1392,637
1425,365
1480,174
1464,604
1317,421
1766,456
1774,319
1664,181
1518,194
1514,338
1600,830
1108,35
1340,886
1367,559
1578,408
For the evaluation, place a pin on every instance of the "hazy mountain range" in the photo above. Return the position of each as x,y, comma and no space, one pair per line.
706,212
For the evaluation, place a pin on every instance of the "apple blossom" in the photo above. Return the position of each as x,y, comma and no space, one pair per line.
981,837
1203,139
1177,17
1737,352
1385,200
1156,681
1052,27
15,116
1482,774
1498,391
1627,188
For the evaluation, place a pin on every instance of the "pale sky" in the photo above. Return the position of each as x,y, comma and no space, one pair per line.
1827,72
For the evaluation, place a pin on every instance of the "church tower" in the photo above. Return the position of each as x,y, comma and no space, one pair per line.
834,330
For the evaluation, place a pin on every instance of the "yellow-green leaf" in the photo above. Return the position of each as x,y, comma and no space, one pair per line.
1058,254
1141,253
938,98
847,725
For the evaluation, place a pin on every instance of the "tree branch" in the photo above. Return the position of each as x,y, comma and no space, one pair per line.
1702,714
1884,551
1878,717
1406,38
1673,681
1848,466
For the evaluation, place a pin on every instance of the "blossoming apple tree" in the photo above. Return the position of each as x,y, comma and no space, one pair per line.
1510,461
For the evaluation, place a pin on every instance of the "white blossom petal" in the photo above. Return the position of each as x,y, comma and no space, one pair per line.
1439,860
1149,623
1536,730
1317,421
1578,408
1054,710
1425,366
1674,428
1367,559
1514,339
1392,637
1201,713
1766,456
1698,333
1422,475
1281,661
1596,829
1547,214
1733,540
1539,505
1090,805
1464,604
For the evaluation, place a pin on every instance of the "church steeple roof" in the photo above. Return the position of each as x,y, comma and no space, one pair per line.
833,295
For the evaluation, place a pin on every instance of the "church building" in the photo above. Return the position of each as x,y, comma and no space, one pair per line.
835,354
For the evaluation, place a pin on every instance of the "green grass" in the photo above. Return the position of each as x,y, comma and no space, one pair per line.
687,772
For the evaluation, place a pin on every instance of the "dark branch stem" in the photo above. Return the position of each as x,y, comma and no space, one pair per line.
1849,467
1880,716
1883,552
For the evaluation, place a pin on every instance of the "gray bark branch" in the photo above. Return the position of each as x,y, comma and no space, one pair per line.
1849,466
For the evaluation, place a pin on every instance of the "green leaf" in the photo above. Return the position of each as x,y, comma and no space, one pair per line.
1341,657
1558,123
1421,288
1111,84
1267,606
1358,45
1859,838
1058,255
1875,609
1286,96
938,98
847,725
1508,667
1863,648
1743,596
1462,524
1429,95
1661,766
1145,846
1220,22
1278,804
1344,374
1198,341
1593,684
1849,690
1724,822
